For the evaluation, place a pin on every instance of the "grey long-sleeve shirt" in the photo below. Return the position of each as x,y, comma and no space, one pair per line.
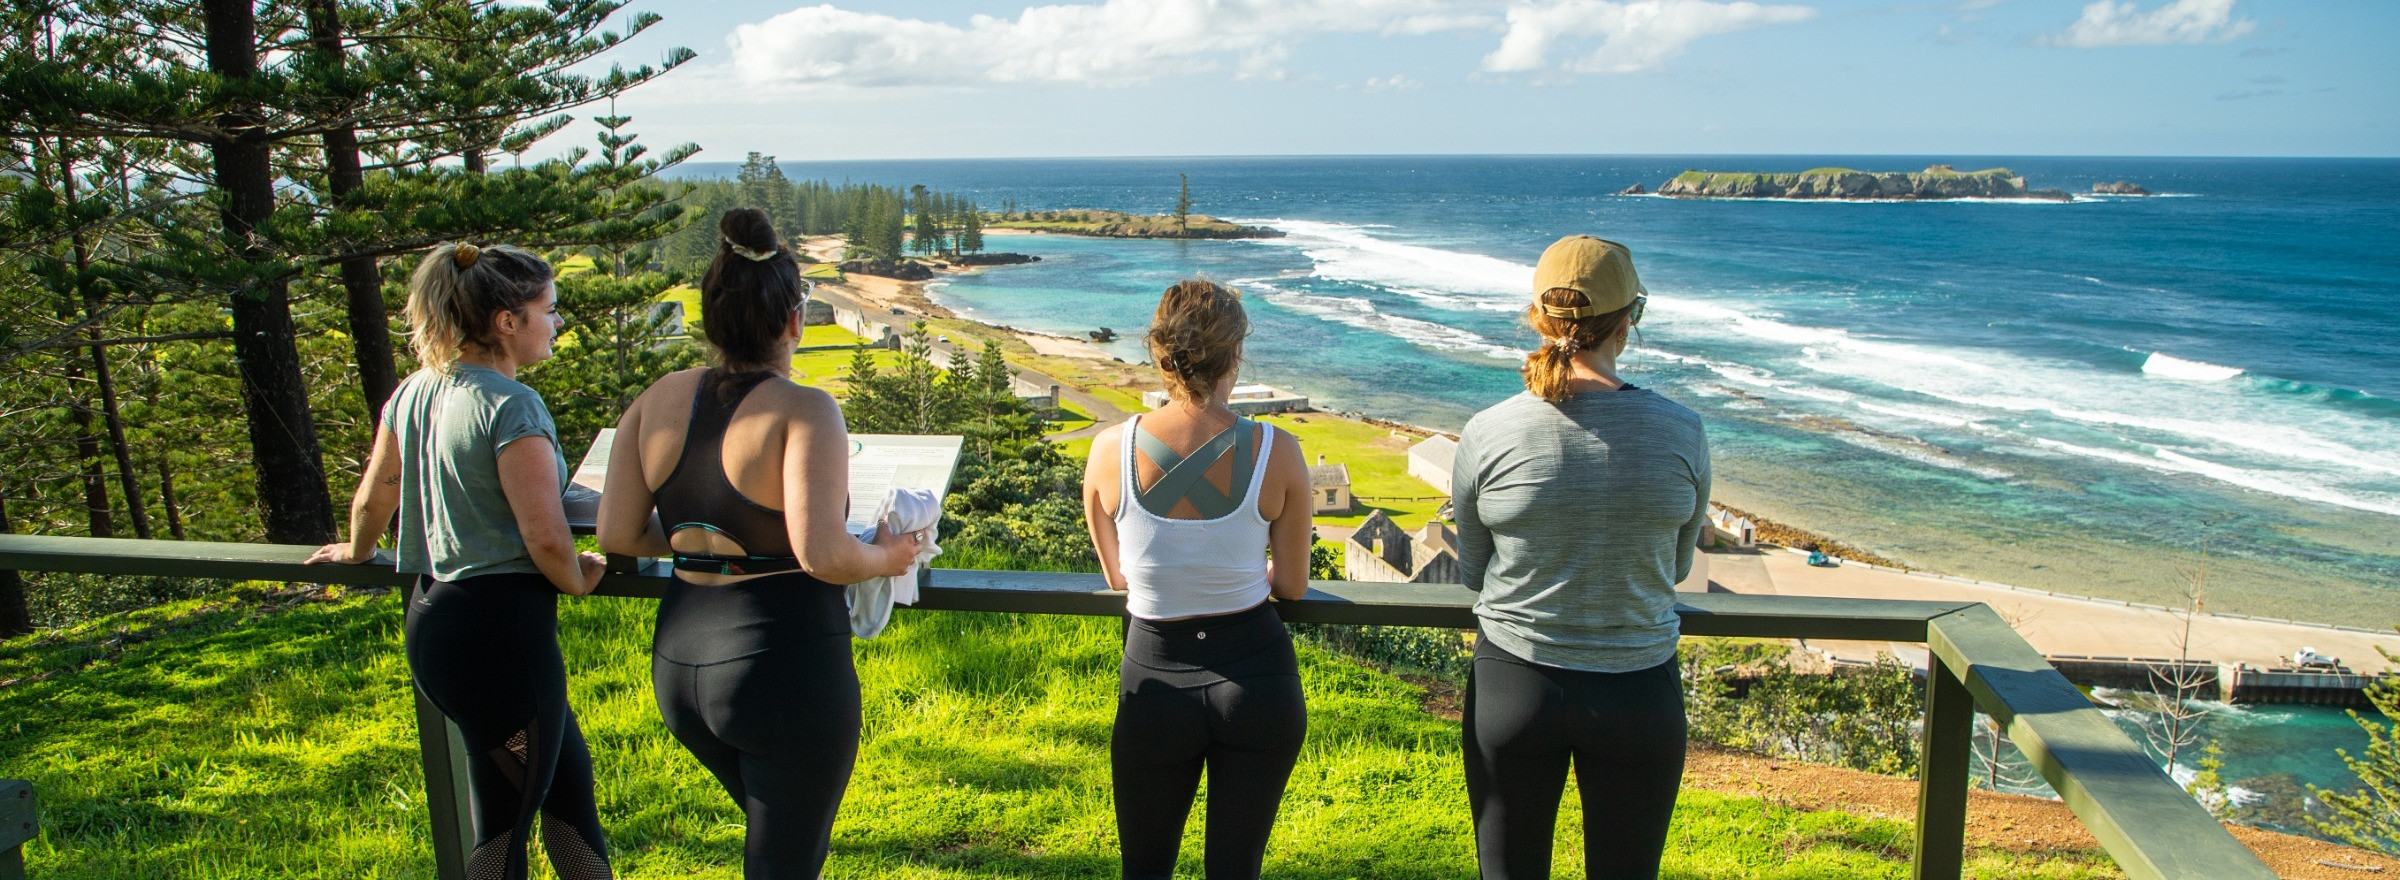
1576,520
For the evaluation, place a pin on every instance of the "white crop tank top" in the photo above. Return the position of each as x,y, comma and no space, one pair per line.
1191,567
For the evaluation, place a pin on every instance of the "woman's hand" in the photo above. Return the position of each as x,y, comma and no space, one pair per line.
899,551
591,567
339,554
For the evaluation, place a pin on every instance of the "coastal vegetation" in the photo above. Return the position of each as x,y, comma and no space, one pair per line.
876,221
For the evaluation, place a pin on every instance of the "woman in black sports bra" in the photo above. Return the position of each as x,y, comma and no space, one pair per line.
743,477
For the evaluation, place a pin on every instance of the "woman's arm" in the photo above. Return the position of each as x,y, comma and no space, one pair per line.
816,491
529,478
370,509
1292,532
1100,490
628,511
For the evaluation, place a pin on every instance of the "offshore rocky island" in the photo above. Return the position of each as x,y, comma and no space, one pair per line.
1934,183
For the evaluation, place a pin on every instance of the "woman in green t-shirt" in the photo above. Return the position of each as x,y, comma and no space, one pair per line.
469,457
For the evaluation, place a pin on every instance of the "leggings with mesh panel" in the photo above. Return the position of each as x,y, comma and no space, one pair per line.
1214,695
485,651
1624,732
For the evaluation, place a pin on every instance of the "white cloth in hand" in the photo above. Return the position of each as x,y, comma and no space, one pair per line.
871,600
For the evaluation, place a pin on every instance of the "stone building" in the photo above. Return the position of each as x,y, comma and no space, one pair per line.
1382,552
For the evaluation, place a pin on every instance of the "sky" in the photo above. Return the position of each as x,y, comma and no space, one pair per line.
902,79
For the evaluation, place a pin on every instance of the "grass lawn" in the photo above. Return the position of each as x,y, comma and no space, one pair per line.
270,734
829,369
1378,462
1075,419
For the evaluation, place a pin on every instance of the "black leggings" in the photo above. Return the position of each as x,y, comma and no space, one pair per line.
779,729
485,651
1214,693
1625,735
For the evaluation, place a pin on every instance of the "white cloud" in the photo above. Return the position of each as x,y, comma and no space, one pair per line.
2109,23
1113,41
1635,36
1394,83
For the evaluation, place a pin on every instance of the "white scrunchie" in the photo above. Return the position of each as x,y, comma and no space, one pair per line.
746,253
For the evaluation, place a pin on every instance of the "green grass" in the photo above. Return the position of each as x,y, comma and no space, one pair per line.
258,734
821,335
1378,462
1075,418
829,369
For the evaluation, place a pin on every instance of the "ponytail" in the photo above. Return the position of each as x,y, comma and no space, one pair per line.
1549,367
457,290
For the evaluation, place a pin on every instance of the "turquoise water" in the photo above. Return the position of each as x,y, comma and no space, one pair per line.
2272,756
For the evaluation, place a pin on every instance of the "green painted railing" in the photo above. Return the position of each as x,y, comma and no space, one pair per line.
2145,821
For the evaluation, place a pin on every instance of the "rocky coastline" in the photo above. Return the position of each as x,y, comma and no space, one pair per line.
1117,224
1936,183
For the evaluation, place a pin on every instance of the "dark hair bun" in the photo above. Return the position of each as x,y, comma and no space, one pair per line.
750,228
748,298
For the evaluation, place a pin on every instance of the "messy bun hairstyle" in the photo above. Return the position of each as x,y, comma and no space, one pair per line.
1548,367
1196,337
750,291
457,290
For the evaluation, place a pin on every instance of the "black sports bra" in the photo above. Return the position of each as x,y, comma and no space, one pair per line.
698,495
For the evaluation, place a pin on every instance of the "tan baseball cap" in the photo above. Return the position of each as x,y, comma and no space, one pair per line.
1600,269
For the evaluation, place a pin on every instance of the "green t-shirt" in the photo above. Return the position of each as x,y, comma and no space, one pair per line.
455,522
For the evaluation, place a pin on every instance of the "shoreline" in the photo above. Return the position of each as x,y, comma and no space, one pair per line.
1130,378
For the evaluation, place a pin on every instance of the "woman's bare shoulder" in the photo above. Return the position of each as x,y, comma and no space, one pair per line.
675,386
795,398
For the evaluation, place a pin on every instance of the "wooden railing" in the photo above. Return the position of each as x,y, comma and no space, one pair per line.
2143,819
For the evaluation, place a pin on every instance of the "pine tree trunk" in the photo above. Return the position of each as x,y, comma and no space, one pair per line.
15,618
290,474
134,508
166,494
370,325
87,457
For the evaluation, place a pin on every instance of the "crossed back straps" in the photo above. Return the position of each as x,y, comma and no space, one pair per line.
1186,475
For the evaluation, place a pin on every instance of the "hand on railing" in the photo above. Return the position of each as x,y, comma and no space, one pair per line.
592,567
339,554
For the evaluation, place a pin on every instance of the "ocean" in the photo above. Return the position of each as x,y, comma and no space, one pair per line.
2118,396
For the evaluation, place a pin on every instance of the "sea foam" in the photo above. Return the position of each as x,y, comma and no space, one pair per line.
2168,366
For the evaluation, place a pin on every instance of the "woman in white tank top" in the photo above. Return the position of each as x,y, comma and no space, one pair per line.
1201,515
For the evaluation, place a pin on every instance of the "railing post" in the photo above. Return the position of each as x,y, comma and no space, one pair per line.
19,822
445,755
1948,740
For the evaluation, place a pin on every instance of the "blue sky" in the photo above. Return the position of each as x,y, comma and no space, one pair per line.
951,78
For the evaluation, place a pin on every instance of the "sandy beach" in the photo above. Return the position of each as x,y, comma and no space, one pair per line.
2053,623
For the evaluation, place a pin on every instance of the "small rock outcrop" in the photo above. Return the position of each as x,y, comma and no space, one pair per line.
1934,183
1634,190
996,259
904,270
2120,188
1102,335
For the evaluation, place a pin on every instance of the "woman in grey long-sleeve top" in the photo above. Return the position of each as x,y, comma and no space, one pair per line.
1579,504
